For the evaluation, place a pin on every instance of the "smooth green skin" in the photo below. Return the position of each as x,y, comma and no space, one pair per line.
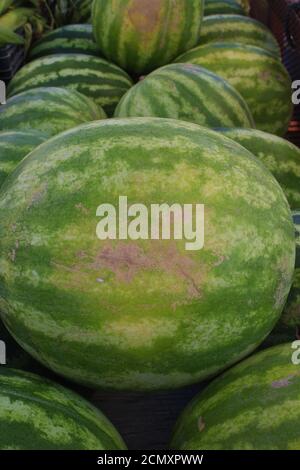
144,314
92,76
219,7
189,93
50,110
291,313
14,146
141,36
37,414
74,38
281,157
257,74
253,406
237,28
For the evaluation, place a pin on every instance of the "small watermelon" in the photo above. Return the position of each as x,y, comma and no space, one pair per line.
14,146
49,110
142,35
253,406
37,414
141,312
75,38
186,92
280,156
220,7
240,29
257,74
94,77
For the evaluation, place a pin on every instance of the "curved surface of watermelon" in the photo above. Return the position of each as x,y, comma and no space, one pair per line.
253,406
189,93
280,156
141,36
260,78
74,38
223,7
14,146
37,414
50,110
239,29
92,76
142,314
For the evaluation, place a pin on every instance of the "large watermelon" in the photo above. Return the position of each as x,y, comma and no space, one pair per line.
94,77
281,157
220,7
253,406
186,92
37,414
14,146
48,109
138,313
142,35
75,38
237,28
260,78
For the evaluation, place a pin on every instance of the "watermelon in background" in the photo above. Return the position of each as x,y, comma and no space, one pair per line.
14,146
188,93
142,35
257,74
240,29
37,414
280,156
75,38
50,110
92,76
291,314
157,315
253,406
226,7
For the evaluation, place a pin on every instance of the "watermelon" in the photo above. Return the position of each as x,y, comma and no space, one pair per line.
291,313
48,109
142,312
37,414
141,36
281,157
260,78
14,146
237,28
186,92
94,77
220,7
253,406
75,38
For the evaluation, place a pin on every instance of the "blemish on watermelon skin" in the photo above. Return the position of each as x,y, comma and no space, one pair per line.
285,382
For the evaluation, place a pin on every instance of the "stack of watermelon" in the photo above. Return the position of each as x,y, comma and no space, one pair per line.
172,104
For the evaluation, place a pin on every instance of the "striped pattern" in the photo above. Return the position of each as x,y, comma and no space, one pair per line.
141,36
237,28
14,146
189,93
75,38
253,406
96,78
36,414
48,109
291,313
157,315
220,7
281,157
260,78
